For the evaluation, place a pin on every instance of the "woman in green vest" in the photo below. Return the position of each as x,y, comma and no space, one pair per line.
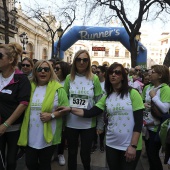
41,129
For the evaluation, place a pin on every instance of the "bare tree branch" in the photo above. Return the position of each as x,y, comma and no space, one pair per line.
48,20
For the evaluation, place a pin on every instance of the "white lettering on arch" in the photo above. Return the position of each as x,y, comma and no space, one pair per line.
98,35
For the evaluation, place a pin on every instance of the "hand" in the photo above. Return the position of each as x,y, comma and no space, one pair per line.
3,128
130,154
63,109
147,105
98,131
45,117
152,93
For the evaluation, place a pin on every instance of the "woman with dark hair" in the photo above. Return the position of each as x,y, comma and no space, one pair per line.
27,66
62,69
101,73
159,94
125,117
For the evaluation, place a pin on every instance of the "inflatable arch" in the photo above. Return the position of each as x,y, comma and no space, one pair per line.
99,34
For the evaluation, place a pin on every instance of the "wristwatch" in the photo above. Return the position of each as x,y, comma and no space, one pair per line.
52,116
134,146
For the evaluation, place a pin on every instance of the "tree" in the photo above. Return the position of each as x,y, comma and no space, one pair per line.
48,20
167,1
120,9
6,23
167,59
9,20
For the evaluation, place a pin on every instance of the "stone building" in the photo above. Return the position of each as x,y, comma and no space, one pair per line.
101,52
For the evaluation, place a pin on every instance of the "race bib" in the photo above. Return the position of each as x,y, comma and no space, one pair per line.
79,101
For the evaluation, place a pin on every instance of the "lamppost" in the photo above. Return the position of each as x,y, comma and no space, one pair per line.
24,41
70,58
60,33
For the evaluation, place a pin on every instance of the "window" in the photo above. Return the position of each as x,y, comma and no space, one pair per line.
107,52
127,54
95,53
117,53
166,50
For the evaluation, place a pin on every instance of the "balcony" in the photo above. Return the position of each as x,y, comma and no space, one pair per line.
12,22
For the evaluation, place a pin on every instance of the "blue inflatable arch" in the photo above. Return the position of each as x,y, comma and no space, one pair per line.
99,34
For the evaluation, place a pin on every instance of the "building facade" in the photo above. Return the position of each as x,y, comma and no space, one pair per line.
101,52
11,11
104,52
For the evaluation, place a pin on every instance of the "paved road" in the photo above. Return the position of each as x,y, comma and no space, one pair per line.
98,162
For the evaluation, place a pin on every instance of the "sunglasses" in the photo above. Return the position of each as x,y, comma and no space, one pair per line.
1,56
137,70
27,65
85,60
117,72
97,72
57,68
40,69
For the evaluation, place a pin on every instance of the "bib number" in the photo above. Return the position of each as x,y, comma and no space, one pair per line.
79,101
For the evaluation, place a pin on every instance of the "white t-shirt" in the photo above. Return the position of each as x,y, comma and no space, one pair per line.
102,86
62,82
147,113
5,81
120,128
36,134
81,95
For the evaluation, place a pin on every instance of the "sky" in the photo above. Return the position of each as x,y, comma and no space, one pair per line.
153,27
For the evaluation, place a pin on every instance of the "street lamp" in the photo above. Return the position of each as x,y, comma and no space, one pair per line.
60,33
70,58
24,41
137,37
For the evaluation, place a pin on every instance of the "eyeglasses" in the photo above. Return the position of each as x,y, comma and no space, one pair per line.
117,72
57,68
27,65
137,70
1,56
40,69
97,72
85,60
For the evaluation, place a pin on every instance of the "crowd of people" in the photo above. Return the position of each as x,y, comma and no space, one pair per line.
47,106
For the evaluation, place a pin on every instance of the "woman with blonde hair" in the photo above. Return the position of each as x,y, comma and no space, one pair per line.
14,98
41,129
83,89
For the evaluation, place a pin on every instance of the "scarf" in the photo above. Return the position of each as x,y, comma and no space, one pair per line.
47,106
